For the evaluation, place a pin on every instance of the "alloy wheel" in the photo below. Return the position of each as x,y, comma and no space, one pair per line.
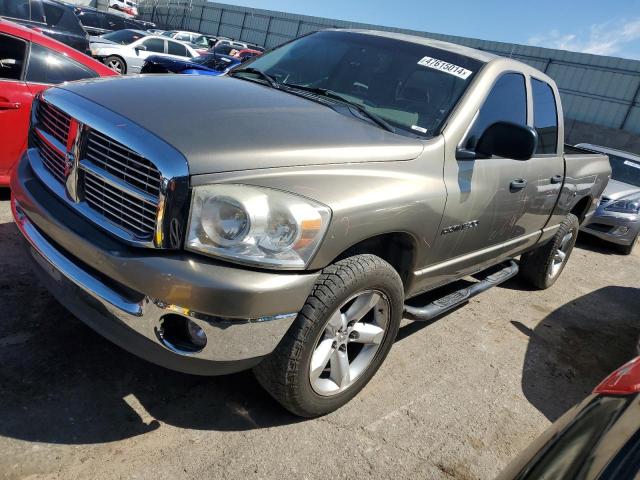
561,255
349,342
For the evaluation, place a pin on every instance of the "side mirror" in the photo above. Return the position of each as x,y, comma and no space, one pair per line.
141,47
504,139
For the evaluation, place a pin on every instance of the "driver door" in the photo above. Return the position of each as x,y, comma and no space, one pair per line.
15,101
152,46
486,214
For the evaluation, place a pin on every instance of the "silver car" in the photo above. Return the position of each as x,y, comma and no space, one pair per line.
617,218
125,51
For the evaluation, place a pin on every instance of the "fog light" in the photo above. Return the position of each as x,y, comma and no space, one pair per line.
181,335
619,231
196,334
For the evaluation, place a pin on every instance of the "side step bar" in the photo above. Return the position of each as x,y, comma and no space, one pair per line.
448,302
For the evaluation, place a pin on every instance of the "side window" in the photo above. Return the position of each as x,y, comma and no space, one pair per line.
183,37
545,116
37,11
12,57
90,19
53,14
114,22
46,66
154,45
507,102
15,9
176,48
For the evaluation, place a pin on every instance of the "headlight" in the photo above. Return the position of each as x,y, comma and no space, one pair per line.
625,206
257,226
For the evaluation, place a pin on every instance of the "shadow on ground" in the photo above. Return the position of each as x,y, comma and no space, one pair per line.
62,383
577,345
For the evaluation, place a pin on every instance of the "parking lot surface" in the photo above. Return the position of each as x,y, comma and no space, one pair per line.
456,398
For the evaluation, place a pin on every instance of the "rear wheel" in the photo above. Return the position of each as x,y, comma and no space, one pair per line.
542,266
116,64
340,338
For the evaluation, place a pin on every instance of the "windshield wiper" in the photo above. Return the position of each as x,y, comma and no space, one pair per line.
325,92
256,71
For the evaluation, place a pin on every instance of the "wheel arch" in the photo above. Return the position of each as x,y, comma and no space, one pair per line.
581,208
396,248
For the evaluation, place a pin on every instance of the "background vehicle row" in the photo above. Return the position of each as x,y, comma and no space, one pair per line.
29,63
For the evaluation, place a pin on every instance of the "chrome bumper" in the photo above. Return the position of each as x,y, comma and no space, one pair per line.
133,321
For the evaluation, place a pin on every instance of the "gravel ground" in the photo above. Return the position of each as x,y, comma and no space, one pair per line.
456,398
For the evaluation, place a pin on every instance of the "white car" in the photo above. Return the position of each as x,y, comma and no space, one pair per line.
198,39
125,51
126,6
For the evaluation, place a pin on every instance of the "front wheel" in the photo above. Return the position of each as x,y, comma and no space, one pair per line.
116,64
542,266
340,338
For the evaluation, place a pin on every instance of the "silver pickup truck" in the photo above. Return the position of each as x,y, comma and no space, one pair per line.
286,217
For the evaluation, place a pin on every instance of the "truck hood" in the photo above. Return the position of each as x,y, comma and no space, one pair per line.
616,190
223,124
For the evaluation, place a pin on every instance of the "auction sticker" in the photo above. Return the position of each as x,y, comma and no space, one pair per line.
445,67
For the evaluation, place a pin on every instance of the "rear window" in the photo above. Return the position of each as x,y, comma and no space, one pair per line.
545,116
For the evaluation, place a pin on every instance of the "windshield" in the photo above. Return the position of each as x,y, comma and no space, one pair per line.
625,170
411,86
123,37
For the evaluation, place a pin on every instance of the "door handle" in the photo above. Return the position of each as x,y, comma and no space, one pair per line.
518,184
557,179
9,105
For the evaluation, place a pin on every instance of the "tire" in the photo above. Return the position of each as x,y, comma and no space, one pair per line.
114,60
542,266
352,282
627,249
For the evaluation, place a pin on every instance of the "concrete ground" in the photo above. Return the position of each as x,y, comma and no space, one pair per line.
456,399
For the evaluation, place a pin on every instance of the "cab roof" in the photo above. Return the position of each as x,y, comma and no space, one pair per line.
429,42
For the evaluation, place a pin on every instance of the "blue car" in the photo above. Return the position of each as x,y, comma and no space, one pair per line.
209,64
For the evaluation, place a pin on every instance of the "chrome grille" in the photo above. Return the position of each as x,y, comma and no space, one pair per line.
101,175
52,160
123,163
54,121
126,210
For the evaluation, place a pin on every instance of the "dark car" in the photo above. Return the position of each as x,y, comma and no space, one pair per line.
209,64
51,17
96,22
597,439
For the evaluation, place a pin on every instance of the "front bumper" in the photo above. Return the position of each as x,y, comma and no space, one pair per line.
124,293
608,225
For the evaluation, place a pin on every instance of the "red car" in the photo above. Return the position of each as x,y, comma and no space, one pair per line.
29,63
245,53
